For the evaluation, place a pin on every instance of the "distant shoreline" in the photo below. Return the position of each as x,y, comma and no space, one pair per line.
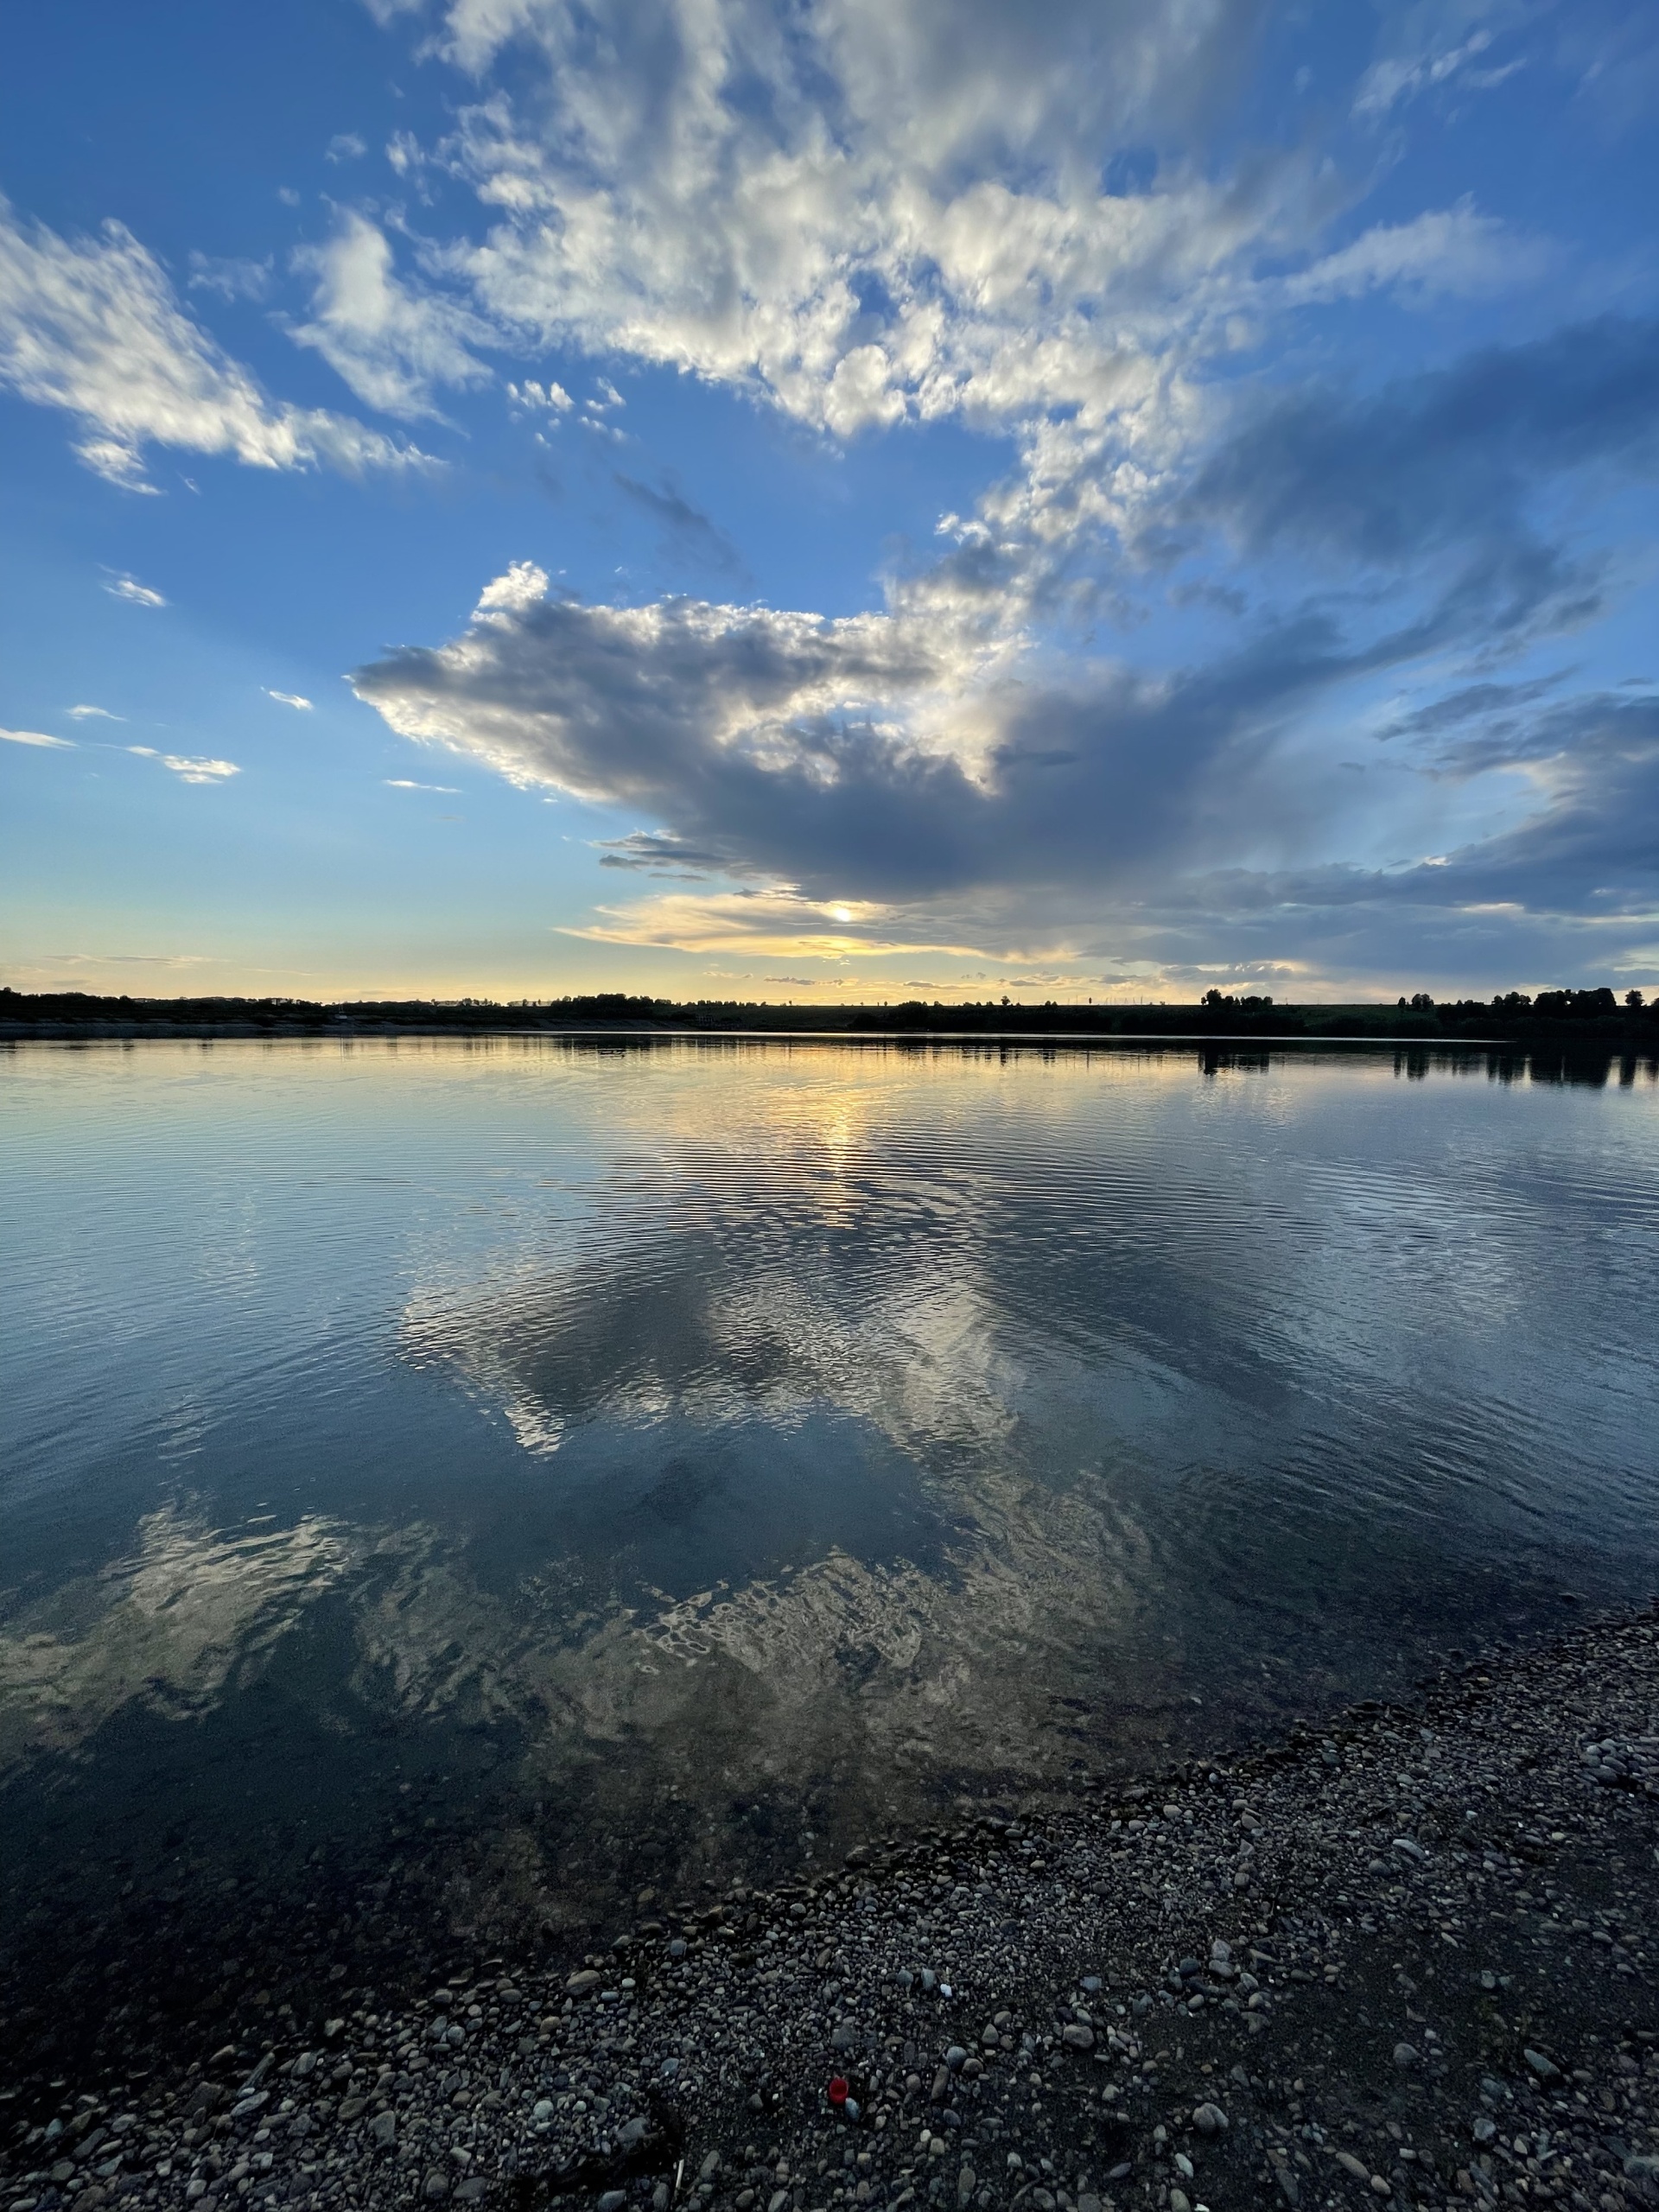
1574,1023
233,1033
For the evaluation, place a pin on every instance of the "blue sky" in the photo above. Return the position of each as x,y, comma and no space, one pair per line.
850,499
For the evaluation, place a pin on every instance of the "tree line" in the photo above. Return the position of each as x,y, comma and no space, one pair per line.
1593,1015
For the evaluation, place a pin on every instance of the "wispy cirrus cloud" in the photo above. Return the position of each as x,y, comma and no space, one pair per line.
231,276
39,738
189,768
93,327
396,345
134,592
290,699
83,714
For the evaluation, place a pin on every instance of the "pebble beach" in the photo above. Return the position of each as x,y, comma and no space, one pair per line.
1406,1956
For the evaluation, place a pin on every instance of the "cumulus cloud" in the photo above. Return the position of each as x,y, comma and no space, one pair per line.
873,216
879,757
849,245
93,327
394,345
533,395
725,719
926,780
932,748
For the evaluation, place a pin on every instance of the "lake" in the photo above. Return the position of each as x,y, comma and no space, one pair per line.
570,1465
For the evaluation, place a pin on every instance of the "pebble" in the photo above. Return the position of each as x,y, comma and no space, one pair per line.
715,2046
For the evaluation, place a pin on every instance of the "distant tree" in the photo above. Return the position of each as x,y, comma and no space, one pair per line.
1633,1000
1421,1002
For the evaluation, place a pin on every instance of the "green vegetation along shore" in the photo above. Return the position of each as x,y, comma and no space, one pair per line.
1590,1020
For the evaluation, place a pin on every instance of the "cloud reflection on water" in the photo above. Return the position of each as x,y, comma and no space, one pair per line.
714,1429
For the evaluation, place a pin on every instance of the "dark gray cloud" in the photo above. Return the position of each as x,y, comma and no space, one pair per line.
687,538
1473,701
1595,847
1447,475
884,759
653,852
1436,461
780,746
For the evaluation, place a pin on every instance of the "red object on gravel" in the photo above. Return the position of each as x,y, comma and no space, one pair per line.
837,2091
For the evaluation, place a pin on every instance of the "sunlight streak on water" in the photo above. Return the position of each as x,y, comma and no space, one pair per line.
890,1416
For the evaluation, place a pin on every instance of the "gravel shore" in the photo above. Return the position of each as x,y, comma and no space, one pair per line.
1410,1957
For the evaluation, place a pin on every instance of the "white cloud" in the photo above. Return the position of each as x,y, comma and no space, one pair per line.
133,592
1064,227
620,702
403,783
93,327
92,714
345,146
777,923
391,345
230,277
1453,250
288,699
876,219
881,216
37,737
1404,75
190,768
551,396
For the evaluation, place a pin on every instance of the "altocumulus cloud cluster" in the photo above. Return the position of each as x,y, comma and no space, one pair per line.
1261,641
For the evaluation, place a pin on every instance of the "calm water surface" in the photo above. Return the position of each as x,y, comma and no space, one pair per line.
633,1453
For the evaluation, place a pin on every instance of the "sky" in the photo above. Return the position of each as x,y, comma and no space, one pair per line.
830,499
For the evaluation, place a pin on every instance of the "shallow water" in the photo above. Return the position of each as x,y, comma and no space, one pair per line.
630,1454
